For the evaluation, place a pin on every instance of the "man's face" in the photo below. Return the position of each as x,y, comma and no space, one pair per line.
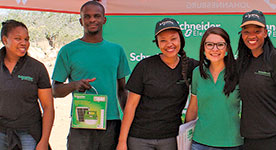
92,19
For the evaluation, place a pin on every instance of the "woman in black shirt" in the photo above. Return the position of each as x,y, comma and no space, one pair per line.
159,86
22,81
257,70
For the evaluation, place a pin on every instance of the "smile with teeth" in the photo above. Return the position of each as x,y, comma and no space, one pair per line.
170,49
252,41
215,55
22,49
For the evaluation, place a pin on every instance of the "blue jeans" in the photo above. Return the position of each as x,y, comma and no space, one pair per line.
198,146
27,141
134,143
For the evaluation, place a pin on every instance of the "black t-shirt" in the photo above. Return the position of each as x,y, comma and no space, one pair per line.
163,97
19,107
258,94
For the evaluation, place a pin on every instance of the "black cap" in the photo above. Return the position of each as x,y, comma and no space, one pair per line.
254,17
165,24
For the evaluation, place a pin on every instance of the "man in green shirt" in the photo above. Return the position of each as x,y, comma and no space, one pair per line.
83,60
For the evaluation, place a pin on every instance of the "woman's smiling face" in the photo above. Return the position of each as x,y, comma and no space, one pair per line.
253,37
215,48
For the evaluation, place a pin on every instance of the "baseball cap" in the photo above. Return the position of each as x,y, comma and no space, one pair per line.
254,17
165,24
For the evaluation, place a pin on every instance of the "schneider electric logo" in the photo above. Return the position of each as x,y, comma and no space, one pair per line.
271,30
196,29
137,57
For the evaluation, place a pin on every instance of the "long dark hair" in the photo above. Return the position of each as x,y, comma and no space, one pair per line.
182,53
230,76
244,54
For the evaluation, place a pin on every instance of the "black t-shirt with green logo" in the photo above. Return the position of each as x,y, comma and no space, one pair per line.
19,107
163,97
258,94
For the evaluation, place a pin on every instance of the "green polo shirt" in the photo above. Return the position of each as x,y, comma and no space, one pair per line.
219,123
104,61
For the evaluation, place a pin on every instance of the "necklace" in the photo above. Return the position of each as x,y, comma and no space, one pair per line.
170,62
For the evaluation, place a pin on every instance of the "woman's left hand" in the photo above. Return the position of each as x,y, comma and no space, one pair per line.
42,146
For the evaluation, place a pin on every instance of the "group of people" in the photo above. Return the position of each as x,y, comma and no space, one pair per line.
155,94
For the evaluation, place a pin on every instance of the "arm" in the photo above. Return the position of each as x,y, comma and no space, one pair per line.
122,93
191,113
131,105
61,89
46,100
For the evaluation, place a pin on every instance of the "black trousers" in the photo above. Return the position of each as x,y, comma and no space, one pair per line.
88,139
260,144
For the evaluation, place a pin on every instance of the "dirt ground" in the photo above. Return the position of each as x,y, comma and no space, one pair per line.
58,138
61,125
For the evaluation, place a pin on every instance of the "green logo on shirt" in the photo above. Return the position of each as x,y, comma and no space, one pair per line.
263,73
27,78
